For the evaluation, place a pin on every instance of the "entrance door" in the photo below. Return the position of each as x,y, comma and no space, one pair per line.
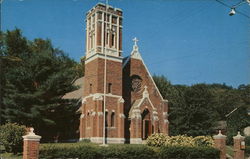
146,124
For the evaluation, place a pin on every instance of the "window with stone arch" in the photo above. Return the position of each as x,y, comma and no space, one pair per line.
136,83
113,119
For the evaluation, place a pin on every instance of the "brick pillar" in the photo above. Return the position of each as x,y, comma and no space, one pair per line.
220,143
82,126
99,119
135,127
165,126
239,145
31,145
120,118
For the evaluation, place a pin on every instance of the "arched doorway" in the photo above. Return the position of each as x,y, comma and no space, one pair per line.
146,124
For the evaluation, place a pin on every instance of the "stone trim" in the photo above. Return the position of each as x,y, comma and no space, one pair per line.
166,121
97,96
32,136
121,100
135,140
219,136
238,136
102,56
83,100
148,100
102,94
121,115
100,113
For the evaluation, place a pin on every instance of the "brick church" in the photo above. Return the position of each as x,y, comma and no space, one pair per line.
134,106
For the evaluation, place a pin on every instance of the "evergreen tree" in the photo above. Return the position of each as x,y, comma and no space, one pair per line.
33,87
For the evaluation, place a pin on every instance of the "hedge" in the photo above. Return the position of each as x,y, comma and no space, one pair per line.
94,151
181,152
247,150
247,140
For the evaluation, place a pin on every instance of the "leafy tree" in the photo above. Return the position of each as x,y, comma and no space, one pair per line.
175,97
33,87
200,117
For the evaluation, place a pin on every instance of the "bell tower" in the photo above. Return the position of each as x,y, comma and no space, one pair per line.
104,31
103,86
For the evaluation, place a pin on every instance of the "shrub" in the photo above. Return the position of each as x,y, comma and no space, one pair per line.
159,139
85,140
11,137
180,140
68,150
247,140
247,151
185,152
203,141
93,151
129,152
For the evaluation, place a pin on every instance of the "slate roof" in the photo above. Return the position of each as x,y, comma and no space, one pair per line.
77,94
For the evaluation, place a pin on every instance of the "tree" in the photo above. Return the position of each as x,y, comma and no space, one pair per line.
33,87
200,116
176,102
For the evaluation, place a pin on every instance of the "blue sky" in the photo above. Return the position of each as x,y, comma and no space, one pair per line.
191,41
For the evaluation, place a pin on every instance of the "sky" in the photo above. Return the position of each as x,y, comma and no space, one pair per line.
189,42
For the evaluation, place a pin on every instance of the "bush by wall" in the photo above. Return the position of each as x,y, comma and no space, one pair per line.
247,140
94,151
185,152
69,150
247,150
11,137
159,140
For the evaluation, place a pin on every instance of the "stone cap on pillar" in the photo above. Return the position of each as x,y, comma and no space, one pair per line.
219,136
238,136
31,136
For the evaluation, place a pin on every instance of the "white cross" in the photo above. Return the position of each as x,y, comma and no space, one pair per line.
135,41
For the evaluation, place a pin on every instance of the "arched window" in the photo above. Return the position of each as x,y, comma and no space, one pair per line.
113,40
113,119
90,88
106,119
88,120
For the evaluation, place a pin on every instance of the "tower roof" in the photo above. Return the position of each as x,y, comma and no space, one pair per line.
102,7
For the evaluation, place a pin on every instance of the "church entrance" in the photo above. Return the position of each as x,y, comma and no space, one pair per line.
146,124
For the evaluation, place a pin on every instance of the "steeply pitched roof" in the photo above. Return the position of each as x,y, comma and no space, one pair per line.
77,94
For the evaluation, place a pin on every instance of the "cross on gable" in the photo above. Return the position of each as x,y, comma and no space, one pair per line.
135,41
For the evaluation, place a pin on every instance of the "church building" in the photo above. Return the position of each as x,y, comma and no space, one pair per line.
134,107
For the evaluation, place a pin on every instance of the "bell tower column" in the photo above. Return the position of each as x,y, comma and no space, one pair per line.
103,75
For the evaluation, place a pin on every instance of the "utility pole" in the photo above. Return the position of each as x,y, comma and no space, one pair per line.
105,76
